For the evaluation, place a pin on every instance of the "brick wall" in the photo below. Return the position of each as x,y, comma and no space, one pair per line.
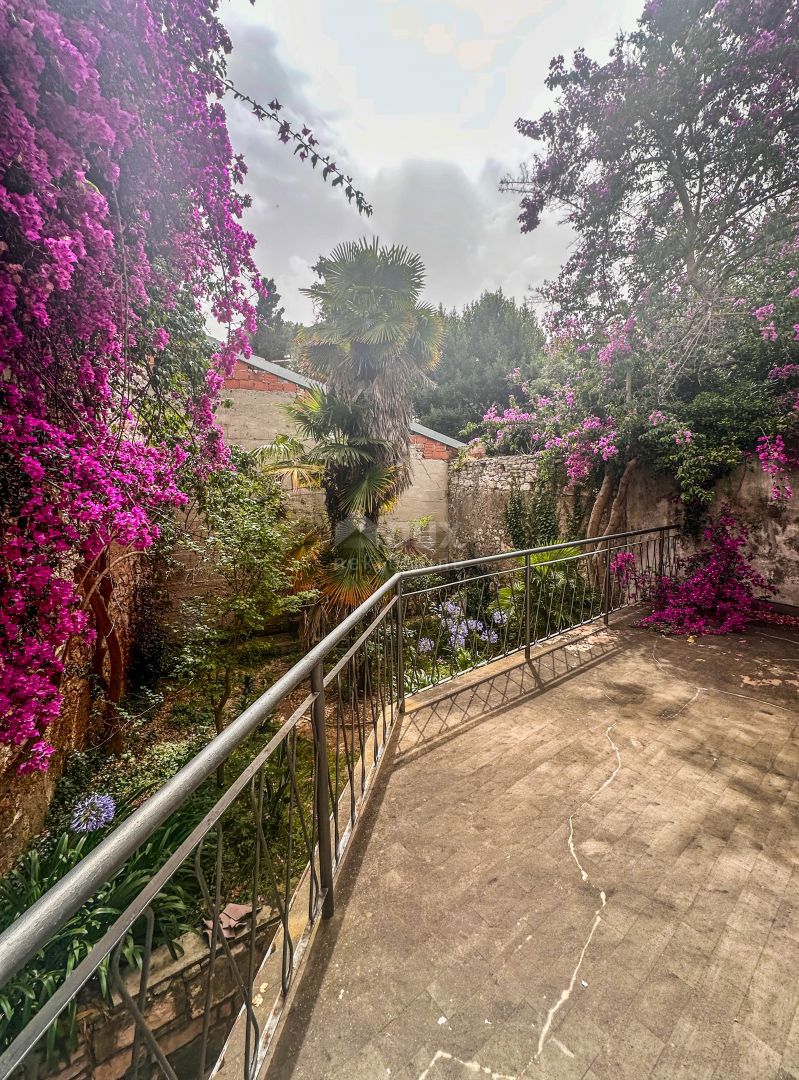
245,377
431,449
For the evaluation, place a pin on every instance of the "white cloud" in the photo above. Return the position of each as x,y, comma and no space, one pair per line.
417,100
476,53
439,39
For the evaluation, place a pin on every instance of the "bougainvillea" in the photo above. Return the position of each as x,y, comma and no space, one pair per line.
775,461
118,194
715,592
673,163
553,423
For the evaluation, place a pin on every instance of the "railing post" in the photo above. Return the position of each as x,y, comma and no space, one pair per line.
400,651
661,555
322,793
607,597
527,607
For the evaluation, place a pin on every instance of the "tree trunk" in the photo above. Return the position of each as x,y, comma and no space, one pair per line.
600,503
596,566
98,586
620,501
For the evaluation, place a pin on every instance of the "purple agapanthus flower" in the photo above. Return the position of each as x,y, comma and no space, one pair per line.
425,645
92,813
499,618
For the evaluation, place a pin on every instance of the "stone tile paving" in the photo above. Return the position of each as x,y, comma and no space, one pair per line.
587,866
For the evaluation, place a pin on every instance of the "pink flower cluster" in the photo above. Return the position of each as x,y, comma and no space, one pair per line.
591,439
118,188
768,330
624,569
550,424
619,343
716,594
775,461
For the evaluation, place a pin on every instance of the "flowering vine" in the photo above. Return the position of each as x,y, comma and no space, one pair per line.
716,591
775,461
119,196
552,423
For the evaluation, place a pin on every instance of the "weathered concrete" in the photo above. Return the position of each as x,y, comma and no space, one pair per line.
774,526
584,867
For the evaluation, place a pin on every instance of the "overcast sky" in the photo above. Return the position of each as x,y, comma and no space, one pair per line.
417,100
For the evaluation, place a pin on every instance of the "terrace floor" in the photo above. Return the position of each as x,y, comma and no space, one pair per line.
585,866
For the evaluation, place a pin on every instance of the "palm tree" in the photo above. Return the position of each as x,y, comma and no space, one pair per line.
332,452
373,342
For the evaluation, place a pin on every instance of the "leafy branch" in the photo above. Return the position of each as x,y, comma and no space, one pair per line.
305,146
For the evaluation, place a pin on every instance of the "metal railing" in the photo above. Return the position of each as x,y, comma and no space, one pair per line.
255,862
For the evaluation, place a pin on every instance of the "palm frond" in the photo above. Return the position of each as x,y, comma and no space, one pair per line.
287,459
359,566
369,492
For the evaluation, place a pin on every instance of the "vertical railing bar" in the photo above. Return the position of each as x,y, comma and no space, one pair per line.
527,642
584,580
258,809
559,624
215,926
288,944
400,649
360,705
606,591
145,978
353,716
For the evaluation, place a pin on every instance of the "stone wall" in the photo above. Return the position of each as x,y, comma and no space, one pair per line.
480,488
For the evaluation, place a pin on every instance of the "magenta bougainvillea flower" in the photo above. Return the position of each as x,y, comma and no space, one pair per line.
118,191
716,590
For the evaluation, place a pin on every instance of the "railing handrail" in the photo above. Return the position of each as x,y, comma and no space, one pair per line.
481,560
35,926
31,931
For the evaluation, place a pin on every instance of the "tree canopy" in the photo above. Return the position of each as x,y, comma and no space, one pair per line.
374,340
372,345
482,345
673,326
674,162
274,336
